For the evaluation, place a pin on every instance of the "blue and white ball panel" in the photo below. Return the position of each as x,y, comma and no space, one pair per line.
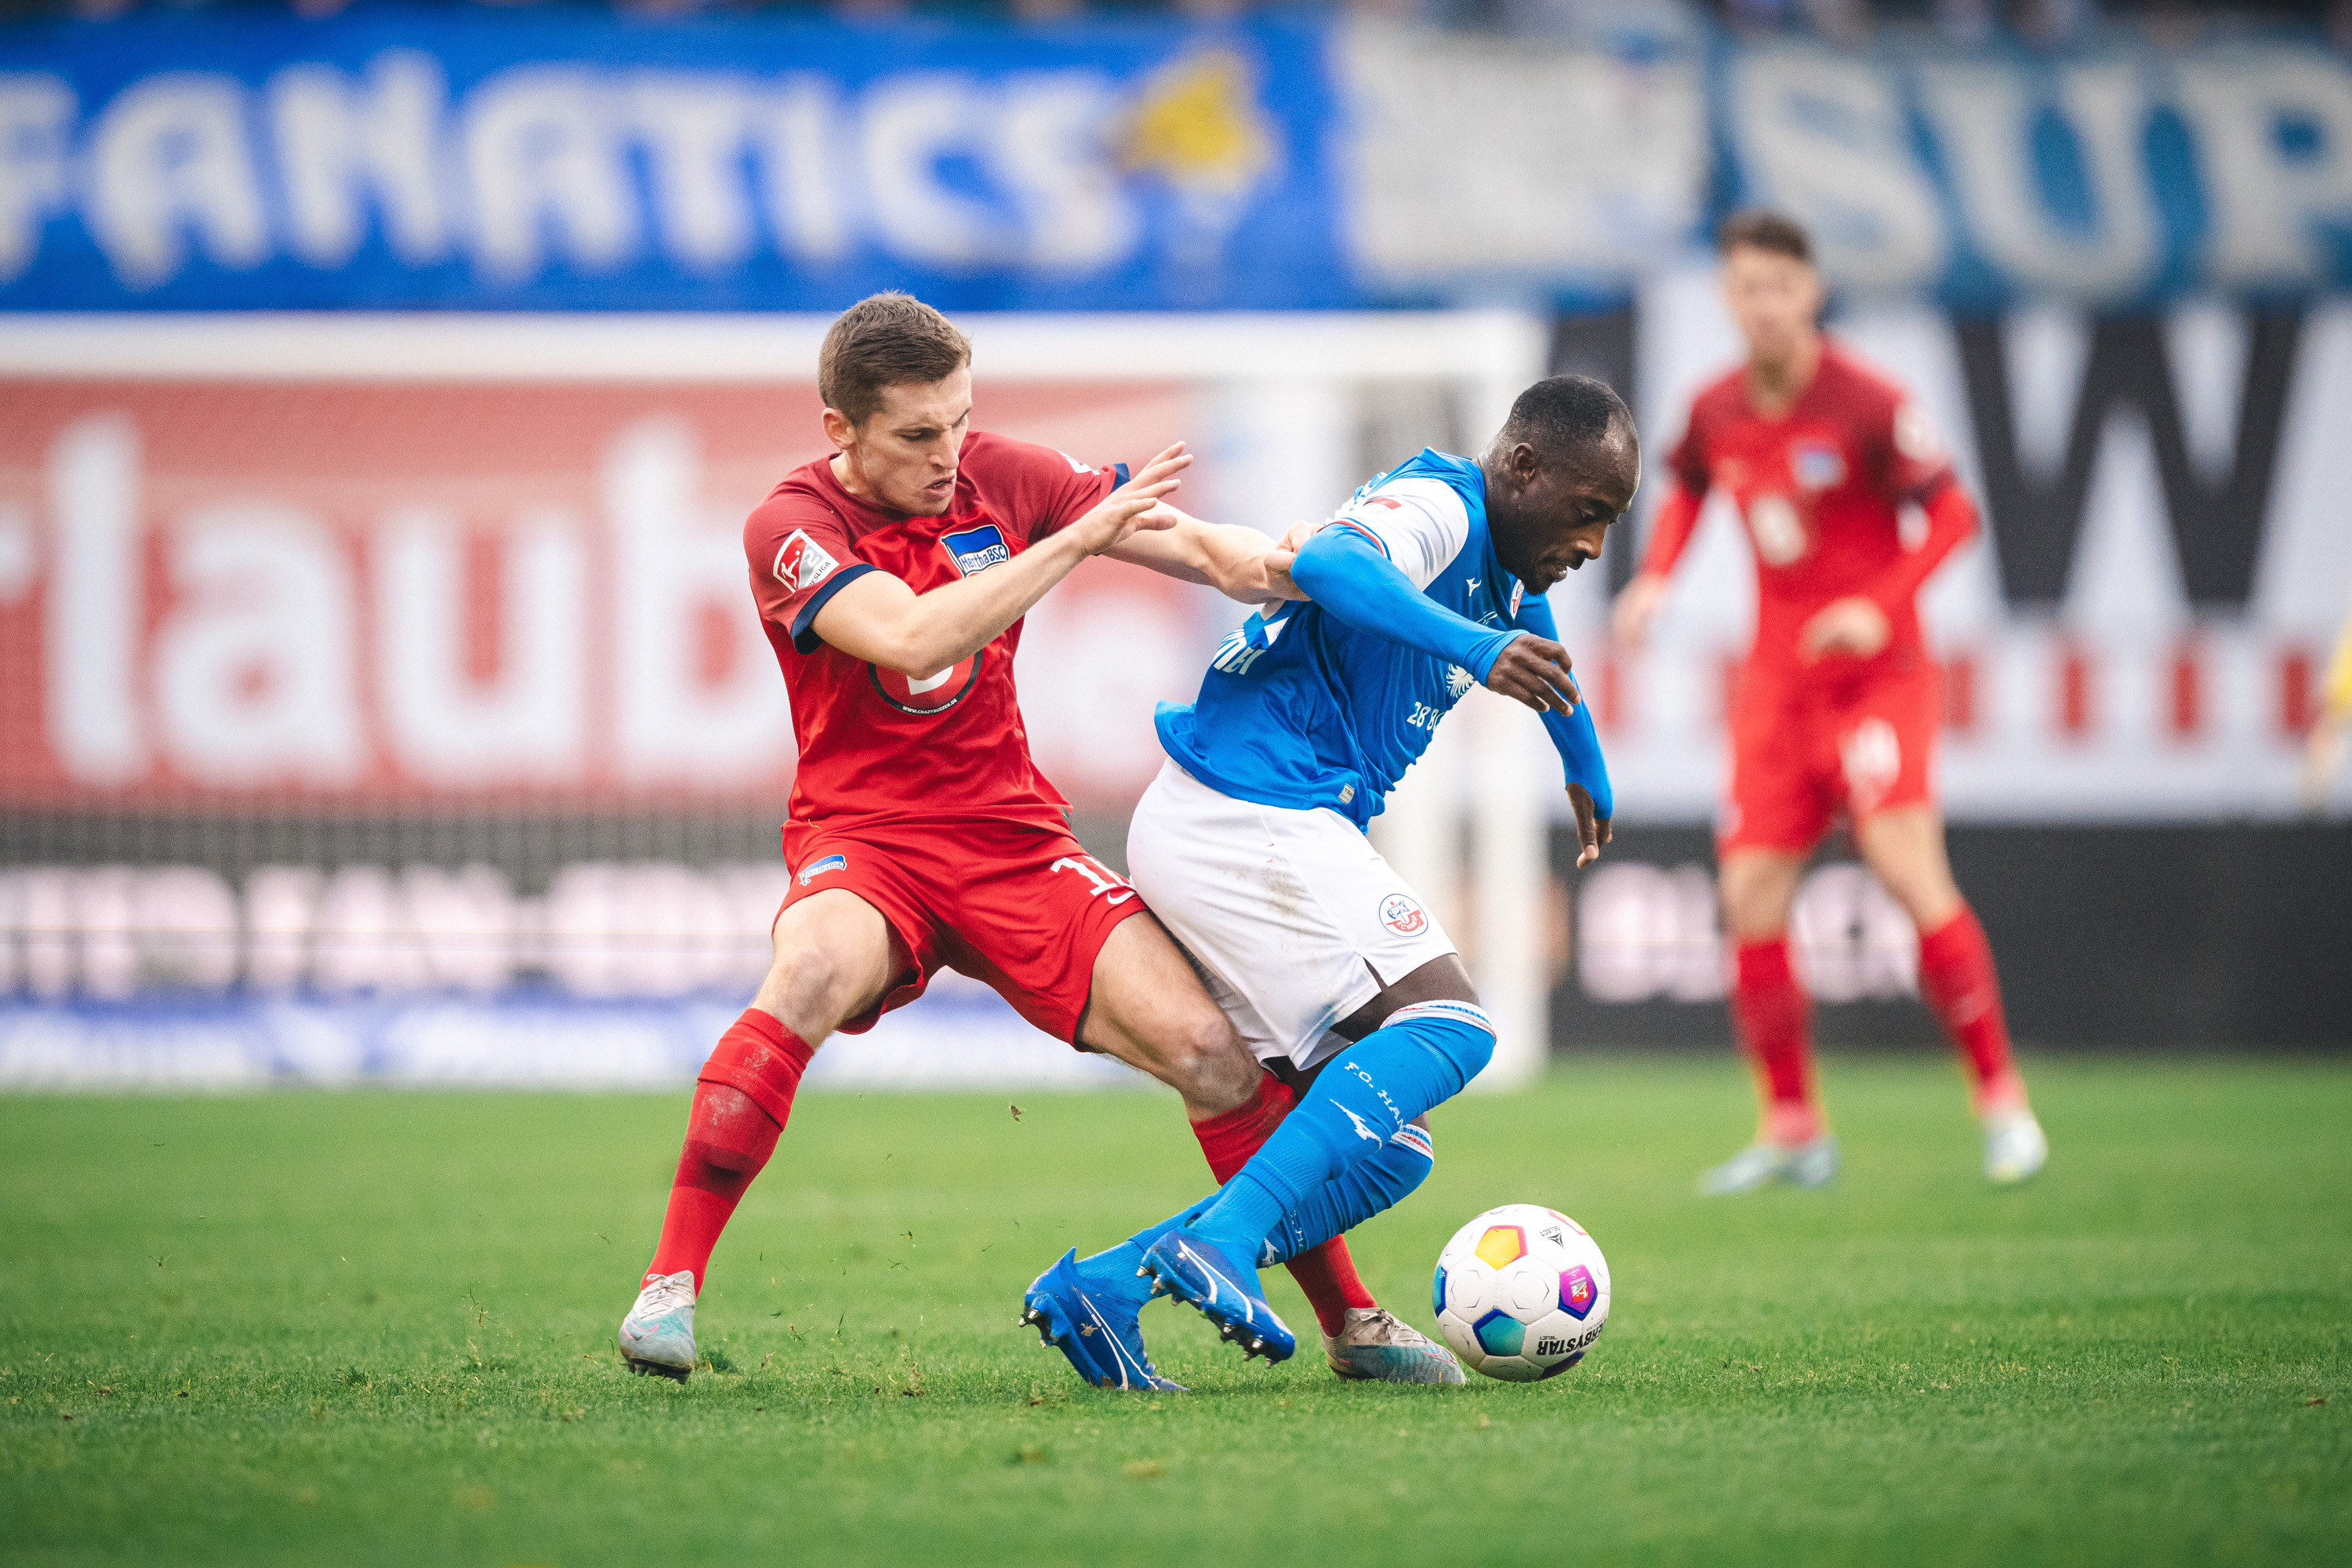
1292,912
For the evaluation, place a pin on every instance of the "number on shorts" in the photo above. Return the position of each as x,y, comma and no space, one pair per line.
1105,879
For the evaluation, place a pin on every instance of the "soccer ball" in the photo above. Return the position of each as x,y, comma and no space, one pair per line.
1521,1292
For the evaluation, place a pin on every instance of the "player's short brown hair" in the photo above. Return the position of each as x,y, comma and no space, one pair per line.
1760,229
884,340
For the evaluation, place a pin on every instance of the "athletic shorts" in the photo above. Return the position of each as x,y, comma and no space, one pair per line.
1023,908
1293,916
1803,754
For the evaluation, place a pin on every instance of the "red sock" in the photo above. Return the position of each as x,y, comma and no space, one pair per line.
1956,976
740,1106
1327,1274
1775,1016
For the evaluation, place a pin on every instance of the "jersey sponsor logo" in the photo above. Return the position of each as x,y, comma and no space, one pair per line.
1779,531
1817,464
1402,916
816,869
933,693
1243,646
802,563
977,549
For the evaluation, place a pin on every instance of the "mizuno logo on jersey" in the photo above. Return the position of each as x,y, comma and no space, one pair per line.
803,562
977,549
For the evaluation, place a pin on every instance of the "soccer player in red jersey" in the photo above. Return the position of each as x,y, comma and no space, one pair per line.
1838,704
892,579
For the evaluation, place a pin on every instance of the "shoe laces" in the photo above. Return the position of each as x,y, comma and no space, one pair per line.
667,1293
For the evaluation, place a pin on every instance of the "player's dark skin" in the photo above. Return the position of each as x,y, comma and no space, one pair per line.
1547,514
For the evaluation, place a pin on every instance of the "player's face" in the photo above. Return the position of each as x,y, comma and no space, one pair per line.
1560,519
1775,300
903,458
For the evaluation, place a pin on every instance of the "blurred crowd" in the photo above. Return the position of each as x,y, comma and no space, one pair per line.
1850,23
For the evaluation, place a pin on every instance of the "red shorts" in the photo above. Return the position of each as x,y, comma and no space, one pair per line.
1802,752
1021,907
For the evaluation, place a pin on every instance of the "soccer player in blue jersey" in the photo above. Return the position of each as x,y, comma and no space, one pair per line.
1250,849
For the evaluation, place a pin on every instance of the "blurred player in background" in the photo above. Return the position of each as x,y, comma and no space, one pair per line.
1838,704
892,579
1250,844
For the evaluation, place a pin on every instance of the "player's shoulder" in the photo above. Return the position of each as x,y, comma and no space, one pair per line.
1425,491
1854,382
797,501
991,458
1718,403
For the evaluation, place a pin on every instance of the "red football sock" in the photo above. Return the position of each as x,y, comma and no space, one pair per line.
1957,978
741,1105
1327,1274
1775,1016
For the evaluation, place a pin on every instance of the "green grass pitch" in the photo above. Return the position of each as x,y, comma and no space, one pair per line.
377,1328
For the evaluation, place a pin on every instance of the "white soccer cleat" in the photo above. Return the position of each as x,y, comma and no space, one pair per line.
2015,1148
657,1336
1376,1347
1799,1164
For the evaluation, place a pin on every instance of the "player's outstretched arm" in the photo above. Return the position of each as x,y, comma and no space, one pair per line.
1239,563
1637,604
881,620
1346,574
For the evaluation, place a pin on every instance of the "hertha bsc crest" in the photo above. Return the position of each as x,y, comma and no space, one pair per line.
934,694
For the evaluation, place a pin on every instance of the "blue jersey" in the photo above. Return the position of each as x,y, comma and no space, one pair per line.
1300,709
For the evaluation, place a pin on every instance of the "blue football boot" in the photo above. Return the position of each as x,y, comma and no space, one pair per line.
1203,1275
1095,1329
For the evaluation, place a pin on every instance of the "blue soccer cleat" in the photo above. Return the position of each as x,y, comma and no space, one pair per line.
1095,1328
1204,1276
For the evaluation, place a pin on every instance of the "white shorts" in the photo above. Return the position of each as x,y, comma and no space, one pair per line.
1294,915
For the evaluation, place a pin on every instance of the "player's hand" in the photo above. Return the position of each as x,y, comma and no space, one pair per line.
1278,584
1132,507
1535,671
1854,625
1636,606
1591,830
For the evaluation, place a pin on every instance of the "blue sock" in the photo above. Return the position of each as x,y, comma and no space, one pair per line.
1118,1272
1377,1183
1421,1057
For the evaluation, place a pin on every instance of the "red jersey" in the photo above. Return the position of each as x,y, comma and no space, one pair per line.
873,744
1819,489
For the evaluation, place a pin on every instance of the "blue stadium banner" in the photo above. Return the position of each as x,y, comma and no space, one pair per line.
2112,176
564,159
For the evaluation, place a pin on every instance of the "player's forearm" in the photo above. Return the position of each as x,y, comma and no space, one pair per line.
1572,734
1347,574
1226,557
919,634
1952,522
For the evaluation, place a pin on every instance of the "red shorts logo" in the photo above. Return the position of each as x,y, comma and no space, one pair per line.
935,694
1402,916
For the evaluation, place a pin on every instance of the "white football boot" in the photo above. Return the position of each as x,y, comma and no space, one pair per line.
657,1336
2015,1148
1799,1164
1375,1346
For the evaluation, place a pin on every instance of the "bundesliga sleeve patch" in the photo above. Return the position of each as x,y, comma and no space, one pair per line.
803,562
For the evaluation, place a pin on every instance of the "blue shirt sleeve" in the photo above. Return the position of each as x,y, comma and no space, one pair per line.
1344,572
1572,734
